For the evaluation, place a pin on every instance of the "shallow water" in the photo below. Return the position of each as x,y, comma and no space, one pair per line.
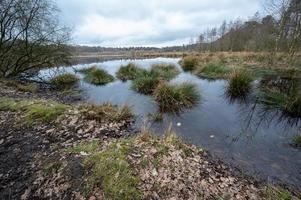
238,133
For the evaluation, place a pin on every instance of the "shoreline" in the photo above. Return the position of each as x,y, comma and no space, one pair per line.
48,144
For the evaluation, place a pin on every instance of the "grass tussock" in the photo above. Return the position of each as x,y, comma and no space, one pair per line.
64,81
34,110
165,71
111,169
97,76
189,63
175,98
239,84
129,72
289,103
146,84
150,79
214,71
107,112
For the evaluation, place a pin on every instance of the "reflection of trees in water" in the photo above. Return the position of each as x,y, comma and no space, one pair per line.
255,112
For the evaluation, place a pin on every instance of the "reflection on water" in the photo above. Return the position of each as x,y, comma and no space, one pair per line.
241,132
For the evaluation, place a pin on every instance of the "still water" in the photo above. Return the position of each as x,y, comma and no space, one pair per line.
238,133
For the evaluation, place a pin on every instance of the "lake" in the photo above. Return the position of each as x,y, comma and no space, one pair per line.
239,133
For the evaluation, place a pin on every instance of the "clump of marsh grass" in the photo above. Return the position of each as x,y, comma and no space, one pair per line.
175,98
97,76
289,103
239,84
165,71
189,63
214,71
64,81
147,83
107,112
129,72
150,79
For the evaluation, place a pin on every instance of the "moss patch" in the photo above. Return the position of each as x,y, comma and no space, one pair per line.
114,173
34,110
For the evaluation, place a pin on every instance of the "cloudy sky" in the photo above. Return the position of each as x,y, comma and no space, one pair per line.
119,23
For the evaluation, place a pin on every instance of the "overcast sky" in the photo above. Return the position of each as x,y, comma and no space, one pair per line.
119,23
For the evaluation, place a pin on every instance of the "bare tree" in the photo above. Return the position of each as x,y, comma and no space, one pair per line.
31,37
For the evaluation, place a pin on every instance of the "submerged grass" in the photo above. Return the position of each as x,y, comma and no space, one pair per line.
239,84
175,98
214,71
34,110
97,76
64,81
129,72
107,112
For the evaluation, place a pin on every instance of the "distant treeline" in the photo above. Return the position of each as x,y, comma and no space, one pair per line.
279,31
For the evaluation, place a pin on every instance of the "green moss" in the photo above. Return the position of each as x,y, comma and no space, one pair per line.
175,98
239,84
273,193
34,110
114,173
107,112
129,72
97,76
189,63
87,147
214,71
165,71
64,81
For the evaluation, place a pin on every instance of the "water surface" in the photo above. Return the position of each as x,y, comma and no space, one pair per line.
239,133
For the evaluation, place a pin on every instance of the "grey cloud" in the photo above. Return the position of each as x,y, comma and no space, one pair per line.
152,22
